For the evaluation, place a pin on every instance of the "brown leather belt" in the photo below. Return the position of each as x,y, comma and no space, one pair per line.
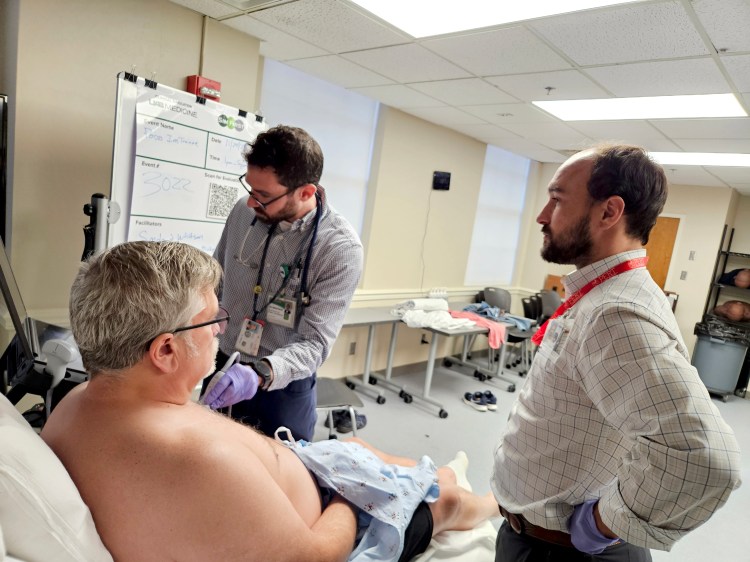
522,526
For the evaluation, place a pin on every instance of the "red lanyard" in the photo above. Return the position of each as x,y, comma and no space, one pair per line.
580,293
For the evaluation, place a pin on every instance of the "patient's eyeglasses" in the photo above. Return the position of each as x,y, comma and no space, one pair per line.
260,203
222,319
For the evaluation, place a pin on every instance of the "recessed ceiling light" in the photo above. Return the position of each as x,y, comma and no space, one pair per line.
658,107
423,18
701,159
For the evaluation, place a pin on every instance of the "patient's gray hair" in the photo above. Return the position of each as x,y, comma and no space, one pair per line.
125,297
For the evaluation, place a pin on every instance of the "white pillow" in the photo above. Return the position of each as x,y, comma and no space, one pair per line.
42,515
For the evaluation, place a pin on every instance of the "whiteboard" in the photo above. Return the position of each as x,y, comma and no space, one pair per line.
176,164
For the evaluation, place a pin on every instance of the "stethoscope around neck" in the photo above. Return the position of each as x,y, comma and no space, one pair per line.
304,296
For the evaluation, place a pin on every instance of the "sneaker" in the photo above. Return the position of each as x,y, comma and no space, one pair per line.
345,425
337,415
476,401
491,400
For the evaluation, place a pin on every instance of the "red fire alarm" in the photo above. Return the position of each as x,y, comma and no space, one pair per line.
204,87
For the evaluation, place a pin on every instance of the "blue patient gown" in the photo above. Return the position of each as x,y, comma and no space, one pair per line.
386,494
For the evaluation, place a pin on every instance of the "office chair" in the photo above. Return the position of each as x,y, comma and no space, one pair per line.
550,302
333,394
517,339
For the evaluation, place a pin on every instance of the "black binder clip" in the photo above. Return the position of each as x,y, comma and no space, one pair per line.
151,84
130,77
200,100
243,113
259,118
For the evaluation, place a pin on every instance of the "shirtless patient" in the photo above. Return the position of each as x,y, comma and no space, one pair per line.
165,478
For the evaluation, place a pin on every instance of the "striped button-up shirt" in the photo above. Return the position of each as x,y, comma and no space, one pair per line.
333,274
612,409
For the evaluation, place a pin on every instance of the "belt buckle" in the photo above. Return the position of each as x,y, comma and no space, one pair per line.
516,523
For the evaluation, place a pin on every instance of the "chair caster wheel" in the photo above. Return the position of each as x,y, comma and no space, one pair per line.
380,400
408,398
443,414
373,380
512,388
480,376
447,363
350,385
468,355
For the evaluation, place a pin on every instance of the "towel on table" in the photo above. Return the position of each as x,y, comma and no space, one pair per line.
484,309
419,304
496,334
439,319
521,322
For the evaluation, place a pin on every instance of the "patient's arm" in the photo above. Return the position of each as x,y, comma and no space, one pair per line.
225,505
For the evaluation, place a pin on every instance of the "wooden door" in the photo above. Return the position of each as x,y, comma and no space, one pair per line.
660,247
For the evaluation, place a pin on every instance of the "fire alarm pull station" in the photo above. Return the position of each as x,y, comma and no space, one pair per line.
204,87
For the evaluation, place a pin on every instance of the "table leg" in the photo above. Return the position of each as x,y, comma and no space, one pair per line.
364,384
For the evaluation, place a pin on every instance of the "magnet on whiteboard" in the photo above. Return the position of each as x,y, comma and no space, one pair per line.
114,212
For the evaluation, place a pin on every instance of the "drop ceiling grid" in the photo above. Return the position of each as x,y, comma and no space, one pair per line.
503,113
398,95
407,63
727,22
726,128
738,68
553,135
510,50
211,8
632,132
464,91
740,146
632,33
331,25
692,175
340,71
567,84
662,78
274,44
446,116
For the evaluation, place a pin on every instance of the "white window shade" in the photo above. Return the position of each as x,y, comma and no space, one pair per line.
497,223
342,122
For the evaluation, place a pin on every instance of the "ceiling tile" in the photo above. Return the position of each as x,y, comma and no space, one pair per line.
662,78
727,22
728,128
566,84
486,131
398,95
339,71
331,25
504,51
730,175
636,32
741,146
530,149
692,175
407,63
211,8
739,70
464,91
447,116
627,131
274,44
501,114
554,135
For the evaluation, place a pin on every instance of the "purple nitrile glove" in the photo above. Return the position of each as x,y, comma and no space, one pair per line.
584,533
239,382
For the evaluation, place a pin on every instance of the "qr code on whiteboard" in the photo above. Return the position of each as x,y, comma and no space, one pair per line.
221,199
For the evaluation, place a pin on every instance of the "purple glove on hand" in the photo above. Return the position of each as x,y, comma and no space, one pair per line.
239,382
584,533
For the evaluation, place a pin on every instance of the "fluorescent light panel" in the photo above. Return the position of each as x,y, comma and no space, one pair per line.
657,107
423,18
701,159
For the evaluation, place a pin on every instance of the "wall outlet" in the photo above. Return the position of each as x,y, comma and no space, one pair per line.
683,275
353,348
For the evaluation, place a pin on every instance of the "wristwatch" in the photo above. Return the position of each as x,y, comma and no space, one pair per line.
265,372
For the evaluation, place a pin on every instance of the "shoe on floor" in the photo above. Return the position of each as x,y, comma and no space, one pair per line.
476,401
345,425
338,415
490,399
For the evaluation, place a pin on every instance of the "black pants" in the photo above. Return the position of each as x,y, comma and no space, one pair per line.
512,547
292,407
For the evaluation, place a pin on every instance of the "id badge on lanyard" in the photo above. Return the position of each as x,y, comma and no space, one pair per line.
282,312
248,340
